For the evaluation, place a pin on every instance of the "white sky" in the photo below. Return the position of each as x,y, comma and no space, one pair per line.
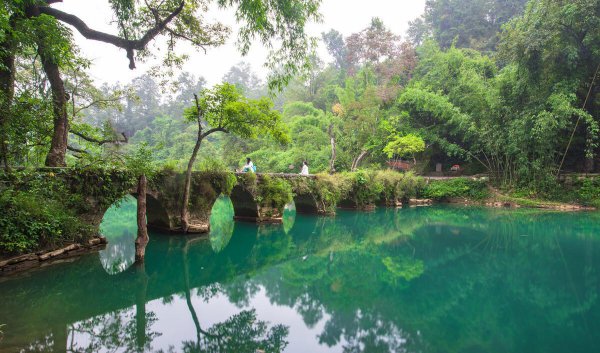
347,16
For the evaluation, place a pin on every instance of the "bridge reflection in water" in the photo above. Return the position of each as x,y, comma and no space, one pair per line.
417,279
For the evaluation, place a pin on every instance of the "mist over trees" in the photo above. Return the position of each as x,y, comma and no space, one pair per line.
496,86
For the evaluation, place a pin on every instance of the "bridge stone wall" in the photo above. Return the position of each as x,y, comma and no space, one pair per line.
261,198
254,198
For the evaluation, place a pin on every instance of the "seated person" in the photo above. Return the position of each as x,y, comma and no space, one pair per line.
249,167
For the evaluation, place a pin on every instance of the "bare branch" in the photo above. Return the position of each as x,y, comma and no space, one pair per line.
127,44
100,142
96,102
77,150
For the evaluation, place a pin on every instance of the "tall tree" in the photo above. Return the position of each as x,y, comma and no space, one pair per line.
224,109
373,45
184,20
465,23
555,48
336,46
242,76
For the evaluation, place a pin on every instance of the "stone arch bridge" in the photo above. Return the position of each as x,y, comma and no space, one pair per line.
259,198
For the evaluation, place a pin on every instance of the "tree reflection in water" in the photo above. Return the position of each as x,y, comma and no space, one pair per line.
439,279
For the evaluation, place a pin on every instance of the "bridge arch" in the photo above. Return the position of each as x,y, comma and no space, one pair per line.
156,214
306,204
245,206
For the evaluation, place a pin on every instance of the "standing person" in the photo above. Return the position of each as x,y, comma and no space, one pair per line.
249,167
304,170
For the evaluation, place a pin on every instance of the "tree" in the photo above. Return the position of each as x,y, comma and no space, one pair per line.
405,146
465,23
360,114
372,45
336,47
176,20
245,80
224,109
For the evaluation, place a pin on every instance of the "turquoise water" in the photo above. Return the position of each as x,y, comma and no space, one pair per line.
431,279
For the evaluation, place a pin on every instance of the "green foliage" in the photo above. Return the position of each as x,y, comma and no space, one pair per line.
365,190
466,23
33,222
441,190
248,180
589,192
327,189
225,108
139,160
308,141
405,146
46,206
273,192
223,181
398,186
212,165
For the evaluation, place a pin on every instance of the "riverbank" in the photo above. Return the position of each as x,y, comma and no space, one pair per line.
47,257
480,192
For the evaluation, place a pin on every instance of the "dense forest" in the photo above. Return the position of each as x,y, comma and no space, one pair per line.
507,88
503,87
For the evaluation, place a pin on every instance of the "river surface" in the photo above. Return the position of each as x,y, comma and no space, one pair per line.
428,279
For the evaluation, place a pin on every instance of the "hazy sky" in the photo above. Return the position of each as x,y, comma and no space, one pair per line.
347,16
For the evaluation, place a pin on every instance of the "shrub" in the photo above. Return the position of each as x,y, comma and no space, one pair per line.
248,180
41,209
31,222
274,192
212,165
364,190
460,187
588,193
398,186
331,189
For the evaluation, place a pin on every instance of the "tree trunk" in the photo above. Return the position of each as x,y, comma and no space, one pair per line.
7,92
188,184
142,235
333,154
141,323
188,297
358,159
188,174
58,146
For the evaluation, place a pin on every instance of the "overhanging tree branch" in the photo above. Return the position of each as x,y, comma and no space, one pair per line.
221,129
77,150
127,44
101,142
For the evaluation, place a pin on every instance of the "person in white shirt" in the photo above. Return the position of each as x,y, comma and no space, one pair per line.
304,170
249,167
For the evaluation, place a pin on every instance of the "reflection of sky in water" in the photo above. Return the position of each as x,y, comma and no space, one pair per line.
119,226
176,325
